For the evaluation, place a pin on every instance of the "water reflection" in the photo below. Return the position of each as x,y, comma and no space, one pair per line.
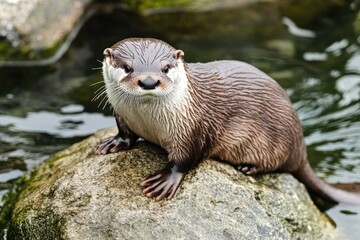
69,125
11,175
354,63
314,56
296,31
337,46
349,86
72,108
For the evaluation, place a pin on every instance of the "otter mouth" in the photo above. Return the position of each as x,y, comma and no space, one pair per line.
152,96
148,94
153,93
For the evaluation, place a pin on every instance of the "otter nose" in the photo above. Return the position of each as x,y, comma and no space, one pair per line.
148,83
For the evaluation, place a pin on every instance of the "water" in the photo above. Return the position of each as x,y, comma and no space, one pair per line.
44,110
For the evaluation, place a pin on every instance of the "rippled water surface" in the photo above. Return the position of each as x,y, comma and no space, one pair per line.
44,110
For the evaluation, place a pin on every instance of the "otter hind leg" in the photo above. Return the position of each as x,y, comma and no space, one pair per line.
247,169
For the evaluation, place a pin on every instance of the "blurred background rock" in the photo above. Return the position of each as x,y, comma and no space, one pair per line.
35,29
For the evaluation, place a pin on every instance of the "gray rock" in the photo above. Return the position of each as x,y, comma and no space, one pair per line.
39,23
78,195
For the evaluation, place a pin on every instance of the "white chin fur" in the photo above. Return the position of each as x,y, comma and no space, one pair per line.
113,75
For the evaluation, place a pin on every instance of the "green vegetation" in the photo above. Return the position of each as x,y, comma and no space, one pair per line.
10,199
8,52
357,24
142,5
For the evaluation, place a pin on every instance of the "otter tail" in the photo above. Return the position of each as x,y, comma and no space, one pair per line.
314,184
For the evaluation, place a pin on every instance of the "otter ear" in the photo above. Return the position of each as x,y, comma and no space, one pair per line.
179,54
108,54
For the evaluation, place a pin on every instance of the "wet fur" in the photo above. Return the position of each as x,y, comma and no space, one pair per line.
227,110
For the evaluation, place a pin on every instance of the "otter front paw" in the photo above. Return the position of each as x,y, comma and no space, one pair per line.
162,184
112,145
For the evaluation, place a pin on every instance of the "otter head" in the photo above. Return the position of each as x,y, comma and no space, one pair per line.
137,68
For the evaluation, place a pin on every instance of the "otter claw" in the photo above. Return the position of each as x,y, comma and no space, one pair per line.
112,145
162,184
247,169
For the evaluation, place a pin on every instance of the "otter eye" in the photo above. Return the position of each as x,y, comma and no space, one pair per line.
127,68
166,69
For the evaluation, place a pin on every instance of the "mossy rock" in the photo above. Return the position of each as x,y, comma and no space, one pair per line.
79,195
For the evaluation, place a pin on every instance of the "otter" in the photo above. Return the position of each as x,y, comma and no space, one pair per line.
226,110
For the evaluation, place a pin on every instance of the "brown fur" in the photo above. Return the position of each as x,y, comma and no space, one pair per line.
228,110
256,126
